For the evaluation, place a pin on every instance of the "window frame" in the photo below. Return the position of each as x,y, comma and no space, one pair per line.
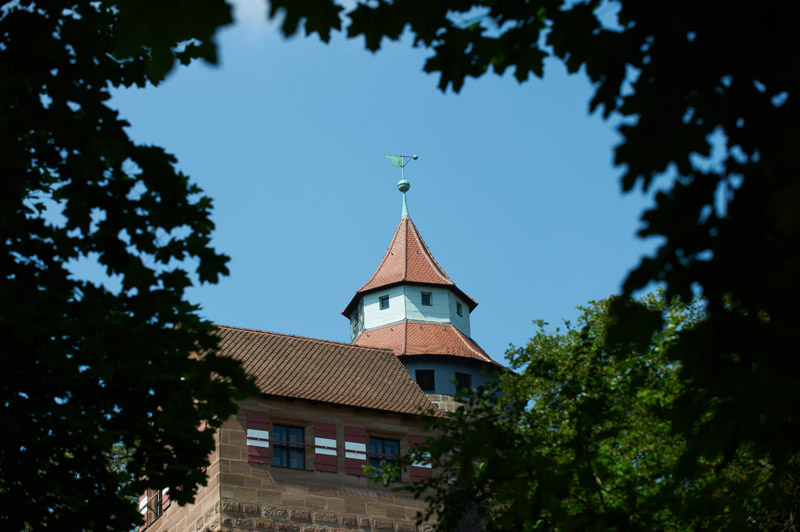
430,299
459,309
153,507
425,373
289,448
158,499
374,458
381,301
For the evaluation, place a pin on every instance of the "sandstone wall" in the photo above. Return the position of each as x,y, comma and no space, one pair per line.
203,515
249,497
257,497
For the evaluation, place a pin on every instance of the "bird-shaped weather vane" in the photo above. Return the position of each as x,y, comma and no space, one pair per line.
403,185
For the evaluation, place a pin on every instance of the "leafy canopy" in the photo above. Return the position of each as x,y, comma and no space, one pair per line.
576,439
87,367
677,75
90,369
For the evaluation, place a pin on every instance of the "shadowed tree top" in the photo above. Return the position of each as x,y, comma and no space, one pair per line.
89,368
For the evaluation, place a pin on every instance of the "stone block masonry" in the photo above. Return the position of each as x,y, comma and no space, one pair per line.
204,514
242,496
271,518
307,500
445,403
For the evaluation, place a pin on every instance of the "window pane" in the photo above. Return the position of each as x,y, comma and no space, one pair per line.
157,501
426,298
391,447
295,434
285,454
383,450
279,457
425,379
463,380
384,302
375,445
297,459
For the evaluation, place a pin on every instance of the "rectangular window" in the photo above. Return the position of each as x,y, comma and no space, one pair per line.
458,309
426,299
425,379
157,504
152,505
288,447
383,450
463,380
384,301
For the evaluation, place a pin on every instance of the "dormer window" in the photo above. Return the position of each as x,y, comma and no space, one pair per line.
426,299
384,302
458,309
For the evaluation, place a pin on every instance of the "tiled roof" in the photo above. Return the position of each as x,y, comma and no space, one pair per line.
423,338
294,367
408,260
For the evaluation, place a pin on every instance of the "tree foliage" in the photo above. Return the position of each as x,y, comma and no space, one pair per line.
677,75
577,439
90,368
87,367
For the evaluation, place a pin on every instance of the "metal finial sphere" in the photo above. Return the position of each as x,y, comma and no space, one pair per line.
403,186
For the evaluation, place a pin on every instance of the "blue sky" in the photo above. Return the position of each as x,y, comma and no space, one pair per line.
514,190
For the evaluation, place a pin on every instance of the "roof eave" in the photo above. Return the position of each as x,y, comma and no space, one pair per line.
421,412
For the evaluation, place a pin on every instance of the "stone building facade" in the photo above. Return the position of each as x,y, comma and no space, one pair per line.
292,459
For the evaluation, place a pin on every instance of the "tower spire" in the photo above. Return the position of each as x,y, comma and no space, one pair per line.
403,185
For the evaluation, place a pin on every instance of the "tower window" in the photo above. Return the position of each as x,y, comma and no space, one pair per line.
426,299
425,380
463,380
384,302
458,309
289,445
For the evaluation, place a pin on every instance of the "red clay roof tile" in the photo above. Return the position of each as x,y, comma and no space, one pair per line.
294,367
422,338
408,260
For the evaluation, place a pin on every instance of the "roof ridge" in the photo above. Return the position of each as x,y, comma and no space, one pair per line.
318,340
405,335
428,255
385,255
468,341
405,251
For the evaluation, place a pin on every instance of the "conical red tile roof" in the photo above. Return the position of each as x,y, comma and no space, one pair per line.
408,260
422,338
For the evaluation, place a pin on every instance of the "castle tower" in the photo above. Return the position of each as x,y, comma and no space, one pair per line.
411,306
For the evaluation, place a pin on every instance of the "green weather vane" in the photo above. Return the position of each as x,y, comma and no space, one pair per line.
401,161
403,185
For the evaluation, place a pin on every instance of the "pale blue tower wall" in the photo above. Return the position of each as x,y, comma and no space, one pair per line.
405,303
